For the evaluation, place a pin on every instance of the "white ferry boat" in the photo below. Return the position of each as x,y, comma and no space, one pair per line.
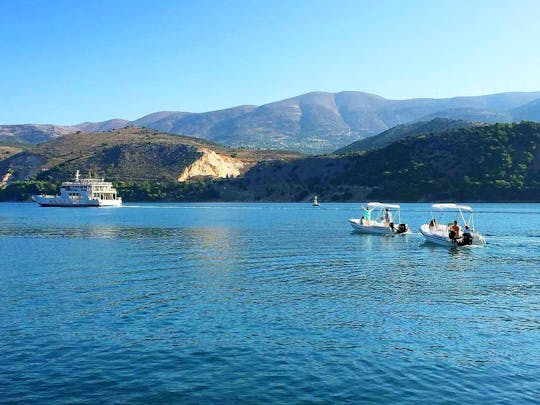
89,192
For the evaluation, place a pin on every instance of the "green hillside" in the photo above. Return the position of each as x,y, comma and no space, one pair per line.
135,158
499,162
402,131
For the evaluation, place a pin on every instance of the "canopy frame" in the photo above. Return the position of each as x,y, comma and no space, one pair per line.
458,208
380,209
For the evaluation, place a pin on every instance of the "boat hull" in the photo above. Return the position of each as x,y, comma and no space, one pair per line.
52,201
370,229
440,237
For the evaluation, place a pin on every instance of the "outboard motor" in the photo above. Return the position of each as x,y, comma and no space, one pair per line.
402,228
466,240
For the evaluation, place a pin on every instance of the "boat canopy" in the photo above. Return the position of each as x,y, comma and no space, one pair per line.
382,205
450,206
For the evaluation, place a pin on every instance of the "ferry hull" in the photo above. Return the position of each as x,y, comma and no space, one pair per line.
50,201
67,205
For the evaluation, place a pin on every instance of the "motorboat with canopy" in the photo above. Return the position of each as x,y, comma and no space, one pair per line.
380,218
436,231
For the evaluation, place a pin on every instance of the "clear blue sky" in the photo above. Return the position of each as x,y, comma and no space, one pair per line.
80,60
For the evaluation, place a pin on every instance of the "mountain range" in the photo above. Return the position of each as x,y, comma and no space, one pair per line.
129,154
498,162
316,122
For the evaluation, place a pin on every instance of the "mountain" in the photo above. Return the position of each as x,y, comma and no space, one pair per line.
318,122
32,133
472,114
8,151
154,117
132,153
402,131
38,133
499,162
315,122
102,126
161,121
528,112
200,124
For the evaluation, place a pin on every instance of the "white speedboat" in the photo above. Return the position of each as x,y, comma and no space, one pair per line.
436,231
85,192
380,219
315,202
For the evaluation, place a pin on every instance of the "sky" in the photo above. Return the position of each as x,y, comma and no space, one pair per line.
69,61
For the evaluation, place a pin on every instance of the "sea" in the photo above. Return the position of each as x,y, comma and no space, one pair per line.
222,303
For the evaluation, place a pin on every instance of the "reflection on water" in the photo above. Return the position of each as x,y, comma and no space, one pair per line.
207,235
213,303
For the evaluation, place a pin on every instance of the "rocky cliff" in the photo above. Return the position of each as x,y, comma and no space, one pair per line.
212,164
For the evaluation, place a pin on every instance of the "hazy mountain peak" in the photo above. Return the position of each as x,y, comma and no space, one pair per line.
314,122
156,116
108,125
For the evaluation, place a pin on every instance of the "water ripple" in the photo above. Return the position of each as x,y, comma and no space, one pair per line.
249,303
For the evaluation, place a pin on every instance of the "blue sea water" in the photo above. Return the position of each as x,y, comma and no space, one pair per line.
264,303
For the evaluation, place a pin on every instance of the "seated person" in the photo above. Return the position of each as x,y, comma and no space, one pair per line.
432,225
362,221
467,236
455,229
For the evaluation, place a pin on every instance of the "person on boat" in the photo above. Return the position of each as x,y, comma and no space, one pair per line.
467,236
455,229
433,225
367,214
362,221
387,217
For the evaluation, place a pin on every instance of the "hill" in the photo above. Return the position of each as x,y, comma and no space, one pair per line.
101,126
498,162
7,151
402,131
529,111
192,124
132,155
315,122
30,133
319,122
